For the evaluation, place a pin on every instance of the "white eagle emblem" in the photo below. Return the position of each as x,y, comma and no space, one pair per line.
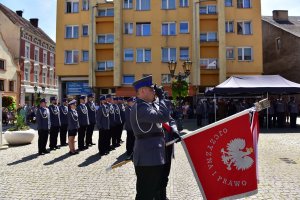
236,156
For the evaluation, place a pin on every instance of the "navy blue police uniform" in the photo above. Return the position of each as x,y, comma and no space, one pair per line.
112,124
130,135
92,119
118,124
64,122
73,120
83,118
55,124
43,126
149,148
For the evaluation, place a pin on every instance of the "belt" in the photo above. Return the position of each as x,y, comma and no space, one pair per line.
149,135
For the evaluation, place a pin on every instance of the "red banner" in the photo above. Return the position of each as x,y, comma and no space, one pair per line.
222,156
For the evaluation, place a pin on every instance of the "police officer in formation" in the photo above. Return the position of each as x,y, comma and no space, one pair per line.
103,127
122,112
55,123
130,135
43,126
92,119
64,122
118,123
83,118
149,155
73,126
112,123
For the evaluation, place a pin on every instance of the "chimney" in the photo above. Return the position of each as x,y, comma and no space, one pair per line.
34,22
280,15
19,12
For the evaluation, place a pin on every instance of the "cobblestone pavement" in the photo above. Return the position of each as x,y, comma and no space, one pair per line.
25,175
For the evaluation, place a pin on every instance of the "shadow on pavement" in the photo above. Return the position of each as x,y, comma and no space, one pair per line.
24,159
58,159
90,160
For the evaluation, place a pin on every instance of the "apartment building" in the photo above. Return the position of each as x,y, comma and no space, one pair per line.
104,46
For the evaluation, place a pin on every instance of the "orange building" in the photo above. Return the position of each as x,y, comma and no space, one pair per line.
105,46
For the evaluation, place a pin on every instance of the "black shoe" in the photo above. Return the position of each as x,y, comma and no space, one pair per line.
92,144
63,145
112,148
52,148
86,147
57,147
121,141
102,153
73,153
41,153
46,152
81,149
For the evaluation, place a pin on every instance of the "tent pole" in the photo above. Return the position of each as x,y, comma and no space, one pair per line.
267,112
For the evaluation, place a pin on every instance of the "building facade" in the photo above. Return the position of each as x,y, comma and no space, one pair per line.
105,46
281,45
34,53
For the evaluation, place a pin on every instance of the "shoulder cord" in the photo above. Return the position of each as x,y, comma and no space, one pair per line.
117,109
56,112
84,110
92,107
137,122
73,116
63,111
105,115
43,116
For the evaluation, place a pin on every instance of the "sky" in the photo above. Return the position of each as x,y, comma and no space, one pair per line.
45,10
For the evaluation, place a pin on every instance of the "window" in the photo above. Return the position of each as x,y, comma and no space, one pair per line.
127,4
208,63
44,76
85,30
143,29
228,3
72,6
184,53
229,26
143,55
51,59
128,79
1,85
2,64
85,56
184,27
105,65
106,39
166,78
27,50
36,75
168,4
244,3
208,37
51,78
71,57
244,28
142,4
26,74
183,3
11,86
245,54
128,54
36,54
168,54
278,43
85,4
168,28
71,32
229,53
208,9
128,28
107,12
45,57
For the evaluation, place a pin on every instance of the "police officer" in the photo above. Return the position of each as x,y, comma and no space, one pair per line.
280,112
43,126
122,112
293,110
92,119
102,119
130,135
118,123
149,148
55,123
112,125
64,122
83,118
73,126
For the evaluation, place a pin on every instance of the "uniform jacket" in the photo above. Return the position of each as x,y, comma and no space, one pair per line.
146,119
102,117
63,115
122,111
43,119
92,112
83,115
293,107
54,115
73,119
118,118
127,116
112,119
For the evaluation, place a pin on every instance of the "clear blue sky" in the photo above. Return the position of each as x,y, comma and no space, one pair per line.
45,10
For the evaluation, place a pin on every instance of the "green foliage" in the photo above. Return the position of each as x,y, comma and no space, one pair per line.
20,124
37,101
180,88
9,102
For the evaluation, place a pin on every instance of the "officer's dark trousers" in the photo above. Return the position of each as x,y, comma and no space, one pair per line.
148,181
280,119
114,135
63,134
102,146
109,137
53,136
293,118
119,133
42,141
199,120
130,142
81,136
89,134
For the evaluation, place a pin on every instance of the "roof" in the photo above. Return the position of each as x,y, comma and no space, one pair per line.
256,84
292,25
20,21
